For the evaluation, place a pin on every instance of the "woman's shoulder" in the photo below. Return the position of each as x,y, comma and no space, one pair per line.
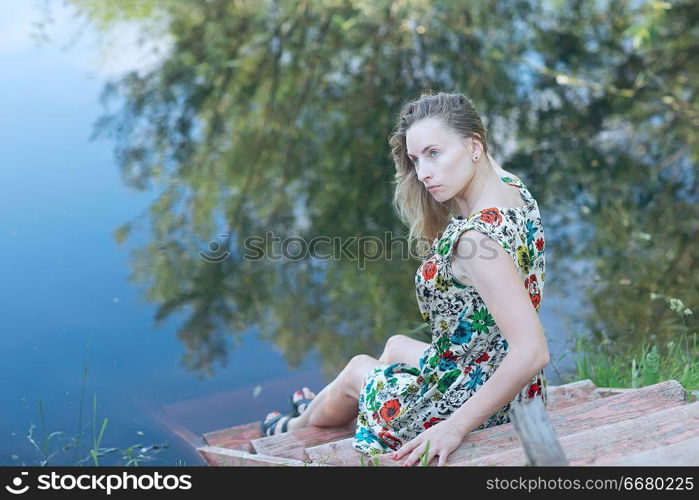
457,226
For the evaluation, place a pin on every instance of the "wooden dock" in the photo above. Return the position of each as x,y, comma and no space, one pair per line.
653,425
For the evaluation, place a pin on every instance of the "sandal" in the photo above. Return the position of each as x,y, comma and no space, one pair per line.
267,428
295,404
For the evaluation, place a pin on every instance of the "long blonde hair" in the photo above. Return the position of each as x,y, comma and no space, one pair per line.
415,206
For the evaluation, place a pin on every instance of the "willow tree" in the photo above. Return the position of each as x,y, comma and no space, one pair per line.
272,117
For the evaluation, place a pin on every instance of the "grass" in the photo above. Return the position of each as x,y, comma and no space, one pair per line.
50,447
374,462
646,364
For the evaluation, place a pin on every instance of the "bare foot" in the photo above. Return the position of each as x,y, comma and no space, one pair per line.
298,395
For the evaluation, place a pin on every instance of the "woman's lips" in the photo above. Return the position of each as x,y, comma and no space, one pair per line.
432,188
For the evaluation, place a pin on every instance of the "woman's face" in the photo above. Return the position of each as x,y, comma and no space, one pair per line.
442,158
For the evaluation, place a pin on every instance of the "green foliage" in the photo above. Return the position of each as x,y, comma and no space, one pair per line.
608,367
373,462
95,452
53,447
44,446
423,457
650,367
108,15
121,233
273,116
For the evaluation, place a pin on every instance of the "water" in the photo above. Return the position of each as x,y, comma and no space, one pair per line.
65,280
65,290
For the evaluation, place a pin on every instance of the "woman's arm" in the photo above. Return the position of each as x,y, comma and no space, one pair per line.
513,374
495,277
497,281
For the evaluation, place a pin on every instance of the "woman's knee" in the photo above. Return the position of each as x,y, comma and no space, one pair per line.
401,348
392,348
356,371
361,362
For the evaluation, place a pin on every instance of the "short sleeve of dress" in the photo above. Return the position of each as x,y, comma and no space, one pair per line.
490,222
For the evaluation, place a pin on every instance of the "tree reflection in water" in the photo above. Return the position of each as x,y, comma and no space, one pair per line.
274,116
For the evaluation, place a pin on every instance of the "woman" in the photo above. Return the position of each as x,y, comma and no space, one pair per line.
479,289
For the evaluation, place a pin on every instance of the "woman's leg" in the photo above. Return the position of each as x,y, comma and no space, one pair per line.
337,404
401,348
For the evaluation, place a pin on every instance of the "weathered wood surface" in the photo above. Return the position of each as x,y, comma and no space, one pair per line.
235,438
606,442
612,391
683,453
690,395
563,396
536,433
218,456
293,444
576,409
569,420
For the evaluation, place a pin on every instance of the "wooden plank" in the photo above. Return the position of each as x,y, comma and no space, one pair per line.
563,396
536,433
337,453
691,396
293,444
236,438
684,453
588,415
612,391
607,442
218,456
559,396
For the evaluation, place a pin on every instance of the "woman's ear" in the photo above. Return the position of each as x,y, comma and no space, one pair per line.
476,145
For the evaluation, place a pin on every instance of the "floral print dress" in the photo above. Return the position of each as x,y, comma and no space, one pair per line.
399,401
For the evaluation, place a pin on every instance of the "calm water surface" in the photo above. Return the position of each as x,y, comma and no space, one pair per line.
64,282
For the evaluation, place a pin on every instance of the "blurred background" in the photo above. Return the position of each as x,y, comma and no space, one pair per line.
143,141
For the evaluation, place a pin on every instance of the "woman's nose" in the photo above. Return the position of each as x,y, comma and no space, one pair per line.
423,176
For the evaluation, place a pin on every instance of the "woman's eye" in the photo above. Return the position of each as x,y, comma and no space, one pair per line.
414,160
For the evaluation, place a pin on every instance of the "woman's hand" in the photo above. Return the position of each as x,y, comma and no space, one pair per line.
444,437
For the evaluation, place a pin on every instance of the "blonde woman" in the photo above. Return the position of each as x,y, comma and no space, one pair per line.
479,288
